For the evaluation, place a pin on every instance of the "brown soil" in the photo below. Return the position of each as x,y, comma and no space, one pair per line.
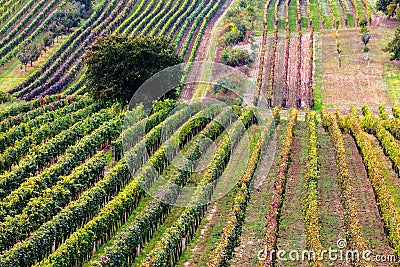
357,80
292,77
305,69
279,65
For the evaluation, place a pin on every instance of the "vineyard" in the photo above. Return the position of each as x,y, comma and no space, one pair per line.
206,179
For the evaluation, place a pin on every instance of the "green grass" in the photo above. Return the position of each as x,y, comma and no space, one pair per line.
202,88
11,75
292,16
234,170
213,235
392,79
158,234
291,227
336,11
304,22
329,192
328,23
281,24
314,14
258,23
270,19
360,10
350,20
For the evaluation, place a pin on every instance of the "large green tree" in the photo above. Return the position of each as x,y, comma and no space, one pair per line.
118,65
381,5
394,46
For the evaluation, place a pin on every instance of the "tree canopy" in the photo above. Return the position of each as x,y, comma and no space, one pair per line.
118,65
394,46
381,5
29,53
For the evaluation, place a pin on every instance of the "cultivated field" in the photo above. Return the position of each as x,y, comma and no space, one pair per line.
310,164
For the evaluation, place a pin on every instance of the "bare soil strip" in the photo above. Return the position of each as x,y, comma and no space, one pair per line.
292,69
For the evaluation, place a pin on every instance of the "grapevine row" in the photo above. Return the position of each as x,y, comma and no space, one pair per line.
384,199
390,146
79,246
223,250
141,229
354,234
24,117
274,211
39,209
78,213
310,201
12,155
167,250
23,107
74,155
43,155
17,132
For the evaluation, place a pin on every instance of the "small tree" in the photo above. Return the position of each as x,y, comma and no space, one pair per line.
47,41
34,52
394,46
236,57
23,56
29,53
338,50
382,5
365,35
55,29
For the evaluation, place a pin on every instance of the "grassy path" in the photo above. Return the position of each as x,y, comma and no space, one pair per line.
210,54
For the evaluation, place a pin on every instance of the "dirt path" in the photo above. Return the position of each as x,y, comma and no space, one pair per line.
291,234
278,79
305,70
207,51
293,58
370,219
